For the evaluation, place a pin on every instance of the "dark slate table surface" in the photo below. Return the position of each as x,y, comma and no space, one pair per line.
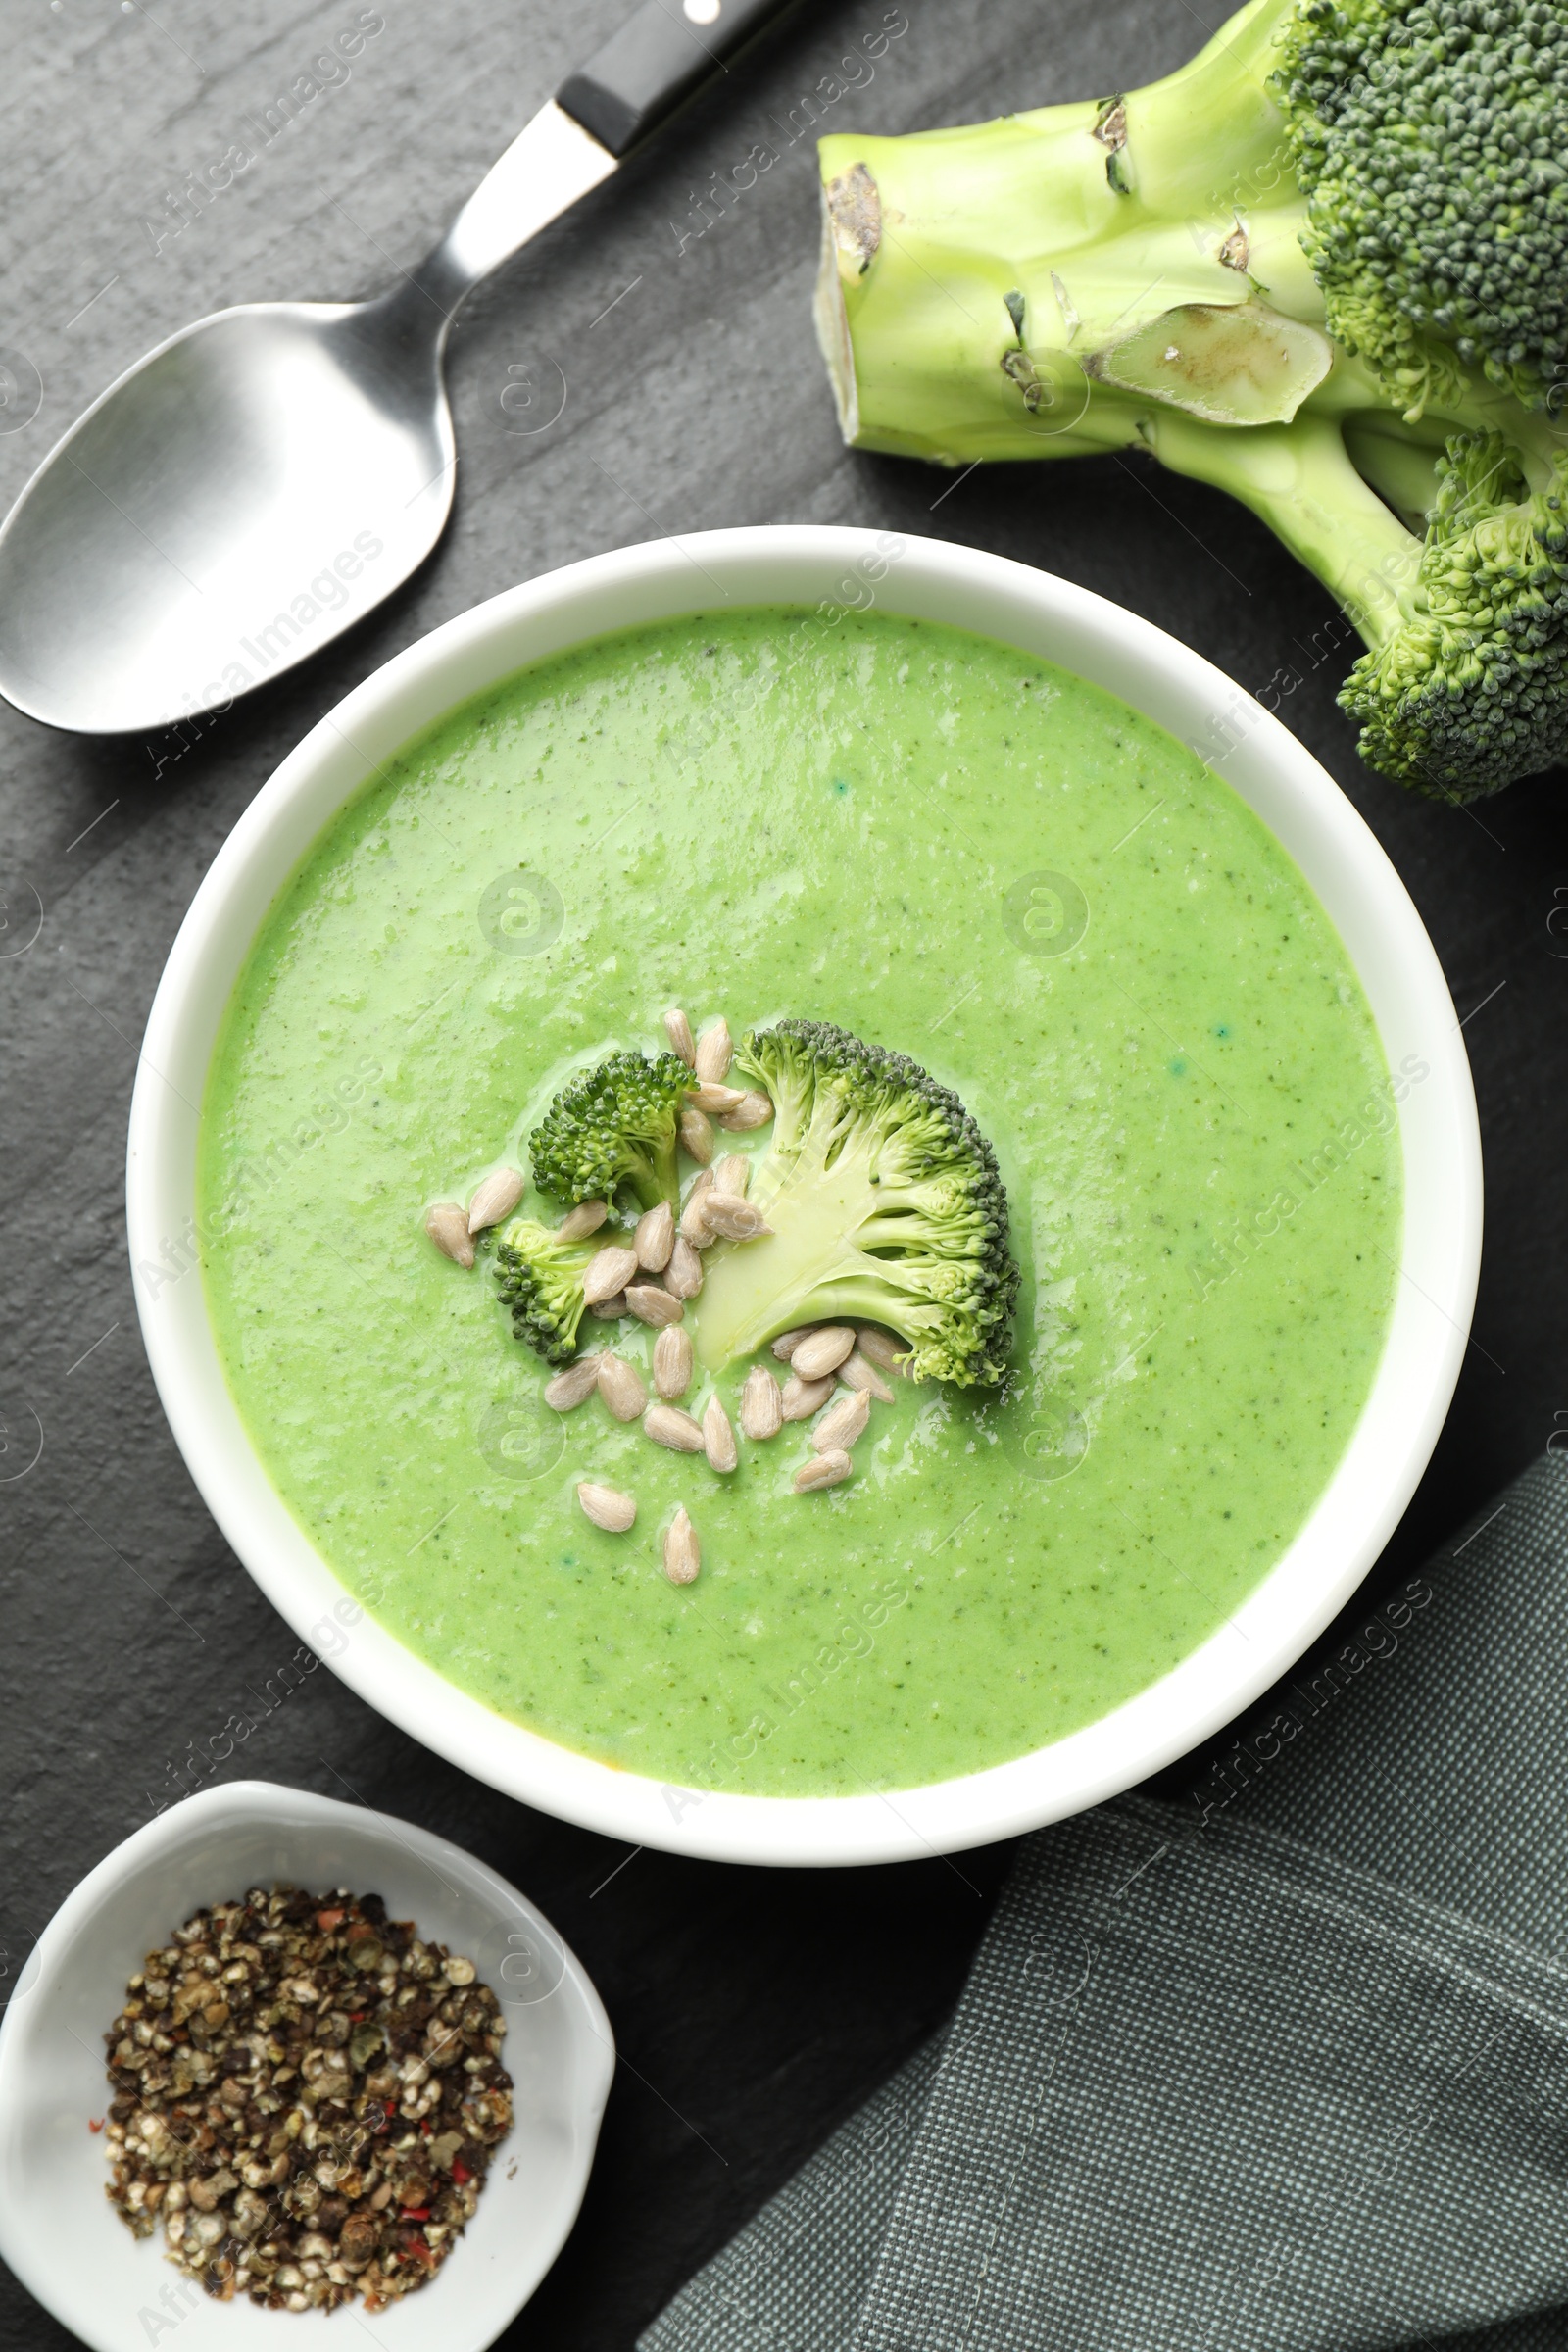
754,2010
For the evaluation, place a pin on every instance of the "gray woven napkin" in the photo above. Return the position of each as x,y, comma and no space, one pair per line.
1283,2068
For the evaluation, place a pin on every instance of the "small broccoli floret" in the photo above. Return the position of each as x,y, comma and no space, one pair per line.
540,1278
1471,689
1345,220
1464,685
613,1129
885,1206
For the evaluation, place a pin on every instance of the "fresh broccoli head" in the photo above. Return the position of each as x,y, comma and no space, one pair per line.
1323,267
539,1277
1429,140
613,1129
884,1204
1472,679
1464,685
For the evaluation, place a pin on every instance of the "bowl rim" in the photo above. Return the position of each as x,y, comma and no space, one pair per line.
157,1845
1244,744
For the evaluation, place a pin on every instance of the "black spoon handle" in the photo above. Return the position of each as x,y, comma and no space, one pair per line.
656,60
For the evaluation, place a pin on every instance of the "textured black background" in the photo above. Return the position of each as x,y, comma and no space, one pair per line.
754,2009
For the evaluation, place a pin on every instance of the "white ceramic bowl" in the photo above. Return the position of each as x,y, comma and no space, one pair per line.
1255,754
58,2231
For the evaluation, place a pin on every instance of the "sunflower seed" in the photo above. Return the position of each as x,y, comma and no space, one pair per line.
683,1554
718,1438
737,1220
608,1270
697,1134
823,1470
802,1397
857,1373
843,1423
621,1386
584,1219
668,1426
678,1030
607,1509
673,1363
715,1052
762,1414
710,1096
752,1110
610,1311
651,1303
568,1387
654,1237
785,1344
733,1175
448,1227
880,1348
693,1221
823,1352
495,1198
683,1276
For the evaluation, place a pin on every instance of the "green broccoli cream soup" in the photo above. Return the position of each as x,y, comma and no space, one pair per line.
956,853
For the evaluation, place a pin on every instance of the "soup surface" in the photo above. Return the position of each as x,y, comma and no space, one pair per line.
954,850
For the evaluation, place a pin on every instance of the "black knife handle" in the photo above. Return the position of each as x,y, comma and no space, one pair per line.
657,59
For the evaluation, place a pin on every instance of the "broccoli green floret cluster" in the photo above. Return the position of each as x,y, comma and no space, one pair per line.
1429,142
540,1278
614,1130
1464,684
885,1204
882,1202
1323,267
1473,677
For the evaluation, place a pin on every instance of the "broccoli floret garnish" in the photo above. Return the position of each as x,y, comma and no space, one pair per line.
539,1277
885,1206
1324,267
613,1129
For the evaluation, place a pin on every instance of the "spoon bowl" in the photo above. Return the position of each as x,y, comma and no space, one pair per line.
260,482
243,495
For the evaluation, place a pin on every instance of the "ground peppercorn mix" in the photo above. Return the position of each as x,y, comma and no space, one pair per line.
305,2095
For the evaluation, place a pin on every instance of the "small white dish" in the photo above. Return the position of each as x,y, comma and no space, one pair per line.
59,2231
826,569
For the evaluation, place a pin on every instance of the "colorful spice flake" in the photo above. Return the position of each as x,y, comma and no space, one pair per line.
307,2096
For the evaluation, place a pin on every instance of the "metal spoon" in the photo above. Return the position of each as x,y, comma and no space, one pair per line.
260,482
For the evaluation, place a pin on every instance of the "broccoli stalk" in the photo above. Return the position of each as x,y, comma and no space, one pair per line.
613,1129
540,1279
975,281
1323,267
884,1204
